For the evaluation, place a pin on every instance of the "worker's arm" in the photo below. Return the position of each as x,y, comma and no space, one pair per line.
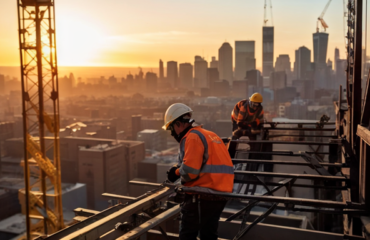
192,158
259,120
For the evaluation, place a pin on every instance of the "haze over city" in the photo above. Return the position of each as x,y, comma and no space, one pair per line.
138,33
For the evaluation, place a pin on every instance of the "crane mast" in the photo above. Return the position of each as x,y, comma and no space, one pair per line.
41,198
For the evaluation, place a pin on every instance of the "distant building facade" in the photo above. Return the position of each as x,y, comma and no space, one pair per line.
151,80
225,62
200,72
244,58
320,48
267,51
212,76
302,64
214,63
172,73
186,75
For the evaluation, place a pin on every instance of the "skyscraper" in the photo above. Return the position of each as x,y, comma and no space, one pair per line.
2,84
212,76
282,63
320,48
214,63
172,73
151,81
200,72
225,62
244,58
267,51
161,73
302,62
336,58
186,75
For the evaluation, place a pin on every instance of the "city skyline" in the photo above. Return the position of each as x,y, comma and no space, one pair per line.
106,37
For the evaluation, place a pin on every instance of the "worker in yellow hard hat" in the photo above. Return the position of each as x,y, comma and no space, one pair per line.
204,162
247,117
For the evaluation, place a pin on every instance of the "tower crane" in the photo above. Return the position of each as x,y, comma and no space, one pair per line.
265,20
41,199
320,19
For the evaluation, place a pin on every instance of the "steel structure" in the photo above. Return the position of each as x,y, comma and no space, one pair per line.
340,163
41,198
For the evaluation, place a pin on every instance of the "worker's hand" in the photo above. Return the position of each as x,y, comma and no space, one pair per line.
246,132
240,124
171,174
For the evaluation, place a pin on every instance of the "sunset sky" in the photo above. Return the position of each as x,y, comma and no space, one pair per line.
140,32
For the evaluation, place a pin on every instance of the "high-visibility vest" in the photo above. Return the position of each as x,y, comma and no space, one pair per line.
205,161
242,113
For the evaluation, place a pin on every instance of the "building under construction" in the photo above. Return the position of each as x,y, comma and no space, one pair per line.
298,180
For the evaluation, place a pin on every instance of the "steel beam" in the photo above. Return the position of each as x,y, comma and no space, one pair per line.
287,153
268,231
301,129
293,185
118,197
150,224
285,142
301,123
102,226
277,199
235,161
292,175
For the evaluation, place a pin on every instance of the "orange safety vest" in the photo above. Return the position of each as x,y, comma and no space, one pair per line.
242,113
205,161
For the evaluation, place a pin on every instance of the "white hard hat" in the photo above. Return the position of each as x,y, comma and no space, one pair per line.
173,112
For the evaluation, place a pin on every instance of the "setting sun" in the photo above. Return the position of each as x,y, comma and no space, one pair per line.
79,42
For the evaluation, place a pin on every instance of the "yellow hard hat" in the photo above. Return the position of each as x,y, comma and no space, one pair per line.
256,97
173,112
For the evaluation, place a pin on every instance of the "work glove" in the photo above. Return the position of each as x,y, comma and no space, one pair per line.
241,132
171,174
240,124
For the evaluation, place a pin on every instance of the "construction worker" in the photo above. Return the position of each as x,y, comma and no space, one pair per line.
205,162
247,117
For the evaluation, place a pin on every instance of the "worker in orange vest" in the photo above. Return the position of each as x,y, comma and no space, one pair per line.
247,117
205,162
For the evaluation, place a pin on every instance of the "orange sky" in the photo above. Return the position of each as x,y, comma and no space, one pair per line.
139,33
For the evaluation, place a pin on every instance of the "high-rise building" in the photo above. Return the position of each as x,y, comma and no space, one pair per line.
161,73
212,76
282,63
200,72
112,80
302,62
336,58
254,78
214,63
151,80
267,51
172,73
225,62
186,75
244,58
135,125
278,80
2,84
320,48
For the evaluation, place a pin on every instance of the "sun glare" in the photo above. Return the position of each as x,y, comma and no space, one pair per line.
79,42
